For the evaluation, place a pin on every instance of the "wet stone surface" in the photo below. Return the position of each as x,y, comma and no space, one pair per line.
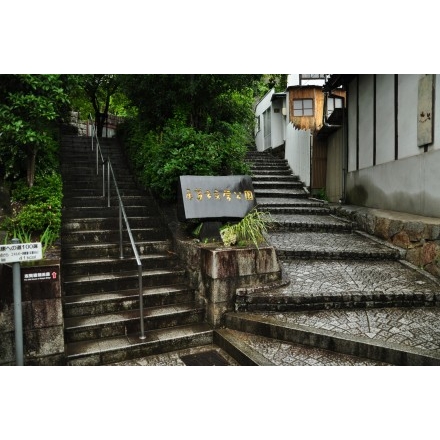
174,359
288,354
309,277
326,221
417,328
330,244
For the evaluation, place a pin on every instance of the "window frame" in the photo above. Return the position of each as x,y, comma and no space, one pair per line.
303,100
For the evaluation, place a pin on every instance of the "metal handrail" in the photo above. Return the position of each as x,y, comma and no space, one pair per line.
98,153
122,215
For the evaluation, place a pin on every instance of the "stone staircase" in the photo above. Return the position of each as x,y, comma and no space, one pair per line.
330,267
337,307
100,290
307,238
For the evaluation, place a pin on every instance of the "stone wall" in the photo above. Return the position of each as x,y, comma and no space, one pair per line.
217,272
43,337
417,236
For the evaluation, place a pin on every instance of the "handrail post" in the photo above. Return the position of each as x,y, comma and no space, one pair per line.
103,180
141,303
97,161
121,250
108,184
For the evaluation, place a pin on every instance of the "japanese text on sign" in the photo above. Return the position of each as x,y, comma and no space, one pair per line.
15,253
225,194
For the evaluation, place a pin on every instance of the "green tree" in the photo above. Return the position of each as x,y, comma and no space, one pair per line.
204,100
188,124
93,93
30,108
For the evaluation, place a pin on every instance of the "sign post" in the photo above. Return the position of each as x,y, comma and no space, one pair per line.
15,253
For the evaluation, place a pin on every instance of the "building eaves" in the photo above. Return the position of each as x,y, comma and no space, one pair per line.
276,96
335,81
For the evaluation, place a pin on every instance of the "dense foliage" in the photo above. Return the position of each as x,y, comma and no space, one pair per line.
31,106
31,109
188,125
36,210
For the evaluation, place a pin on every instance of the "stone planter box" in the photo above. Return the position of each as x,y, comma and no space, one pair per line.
217,272
43,338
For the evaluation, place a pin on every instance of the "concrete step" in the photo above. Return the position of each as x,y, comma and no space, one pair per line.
204,355
85,201
276,177
109,325
110,281
93,266
112,236
112,250
280,192
275,184
96,211
120,300
119,349
105,223
83,190
309,222
277,202
295,210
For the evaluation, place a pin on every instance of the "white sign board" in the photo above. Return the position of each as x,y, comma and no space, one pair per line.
17,253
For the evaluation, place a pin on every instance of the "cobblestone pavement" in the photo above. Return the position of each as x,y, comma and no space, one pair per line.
344,278
173,359
332,245
282,353
417,328
308,221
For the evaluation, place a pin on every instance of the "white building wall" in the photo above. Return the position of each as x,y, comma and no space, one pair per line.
384,118
278,123
297,152
352,121
410,183
365,121
407,115
261,107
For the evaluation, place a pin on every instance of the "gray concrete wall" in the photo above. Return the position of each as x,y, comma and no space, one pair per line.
408,185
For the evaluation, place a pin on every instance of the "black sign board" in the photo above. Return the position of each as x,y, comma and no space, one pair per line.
215,197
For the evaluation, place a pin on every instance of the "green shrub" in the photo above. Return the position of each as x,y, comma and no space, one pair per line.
159,159
250,229
38,208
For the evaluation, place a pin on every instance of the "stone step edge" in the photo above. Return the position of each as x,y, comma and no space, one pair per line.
241,352
123,295
109,277
73,324
155,342
381,351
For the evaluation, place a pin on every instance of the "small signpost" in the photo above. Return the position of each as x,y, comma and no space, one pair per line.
17,253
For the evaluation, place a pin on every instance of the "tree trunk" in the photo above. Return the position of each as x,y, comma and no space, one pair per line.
30,166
